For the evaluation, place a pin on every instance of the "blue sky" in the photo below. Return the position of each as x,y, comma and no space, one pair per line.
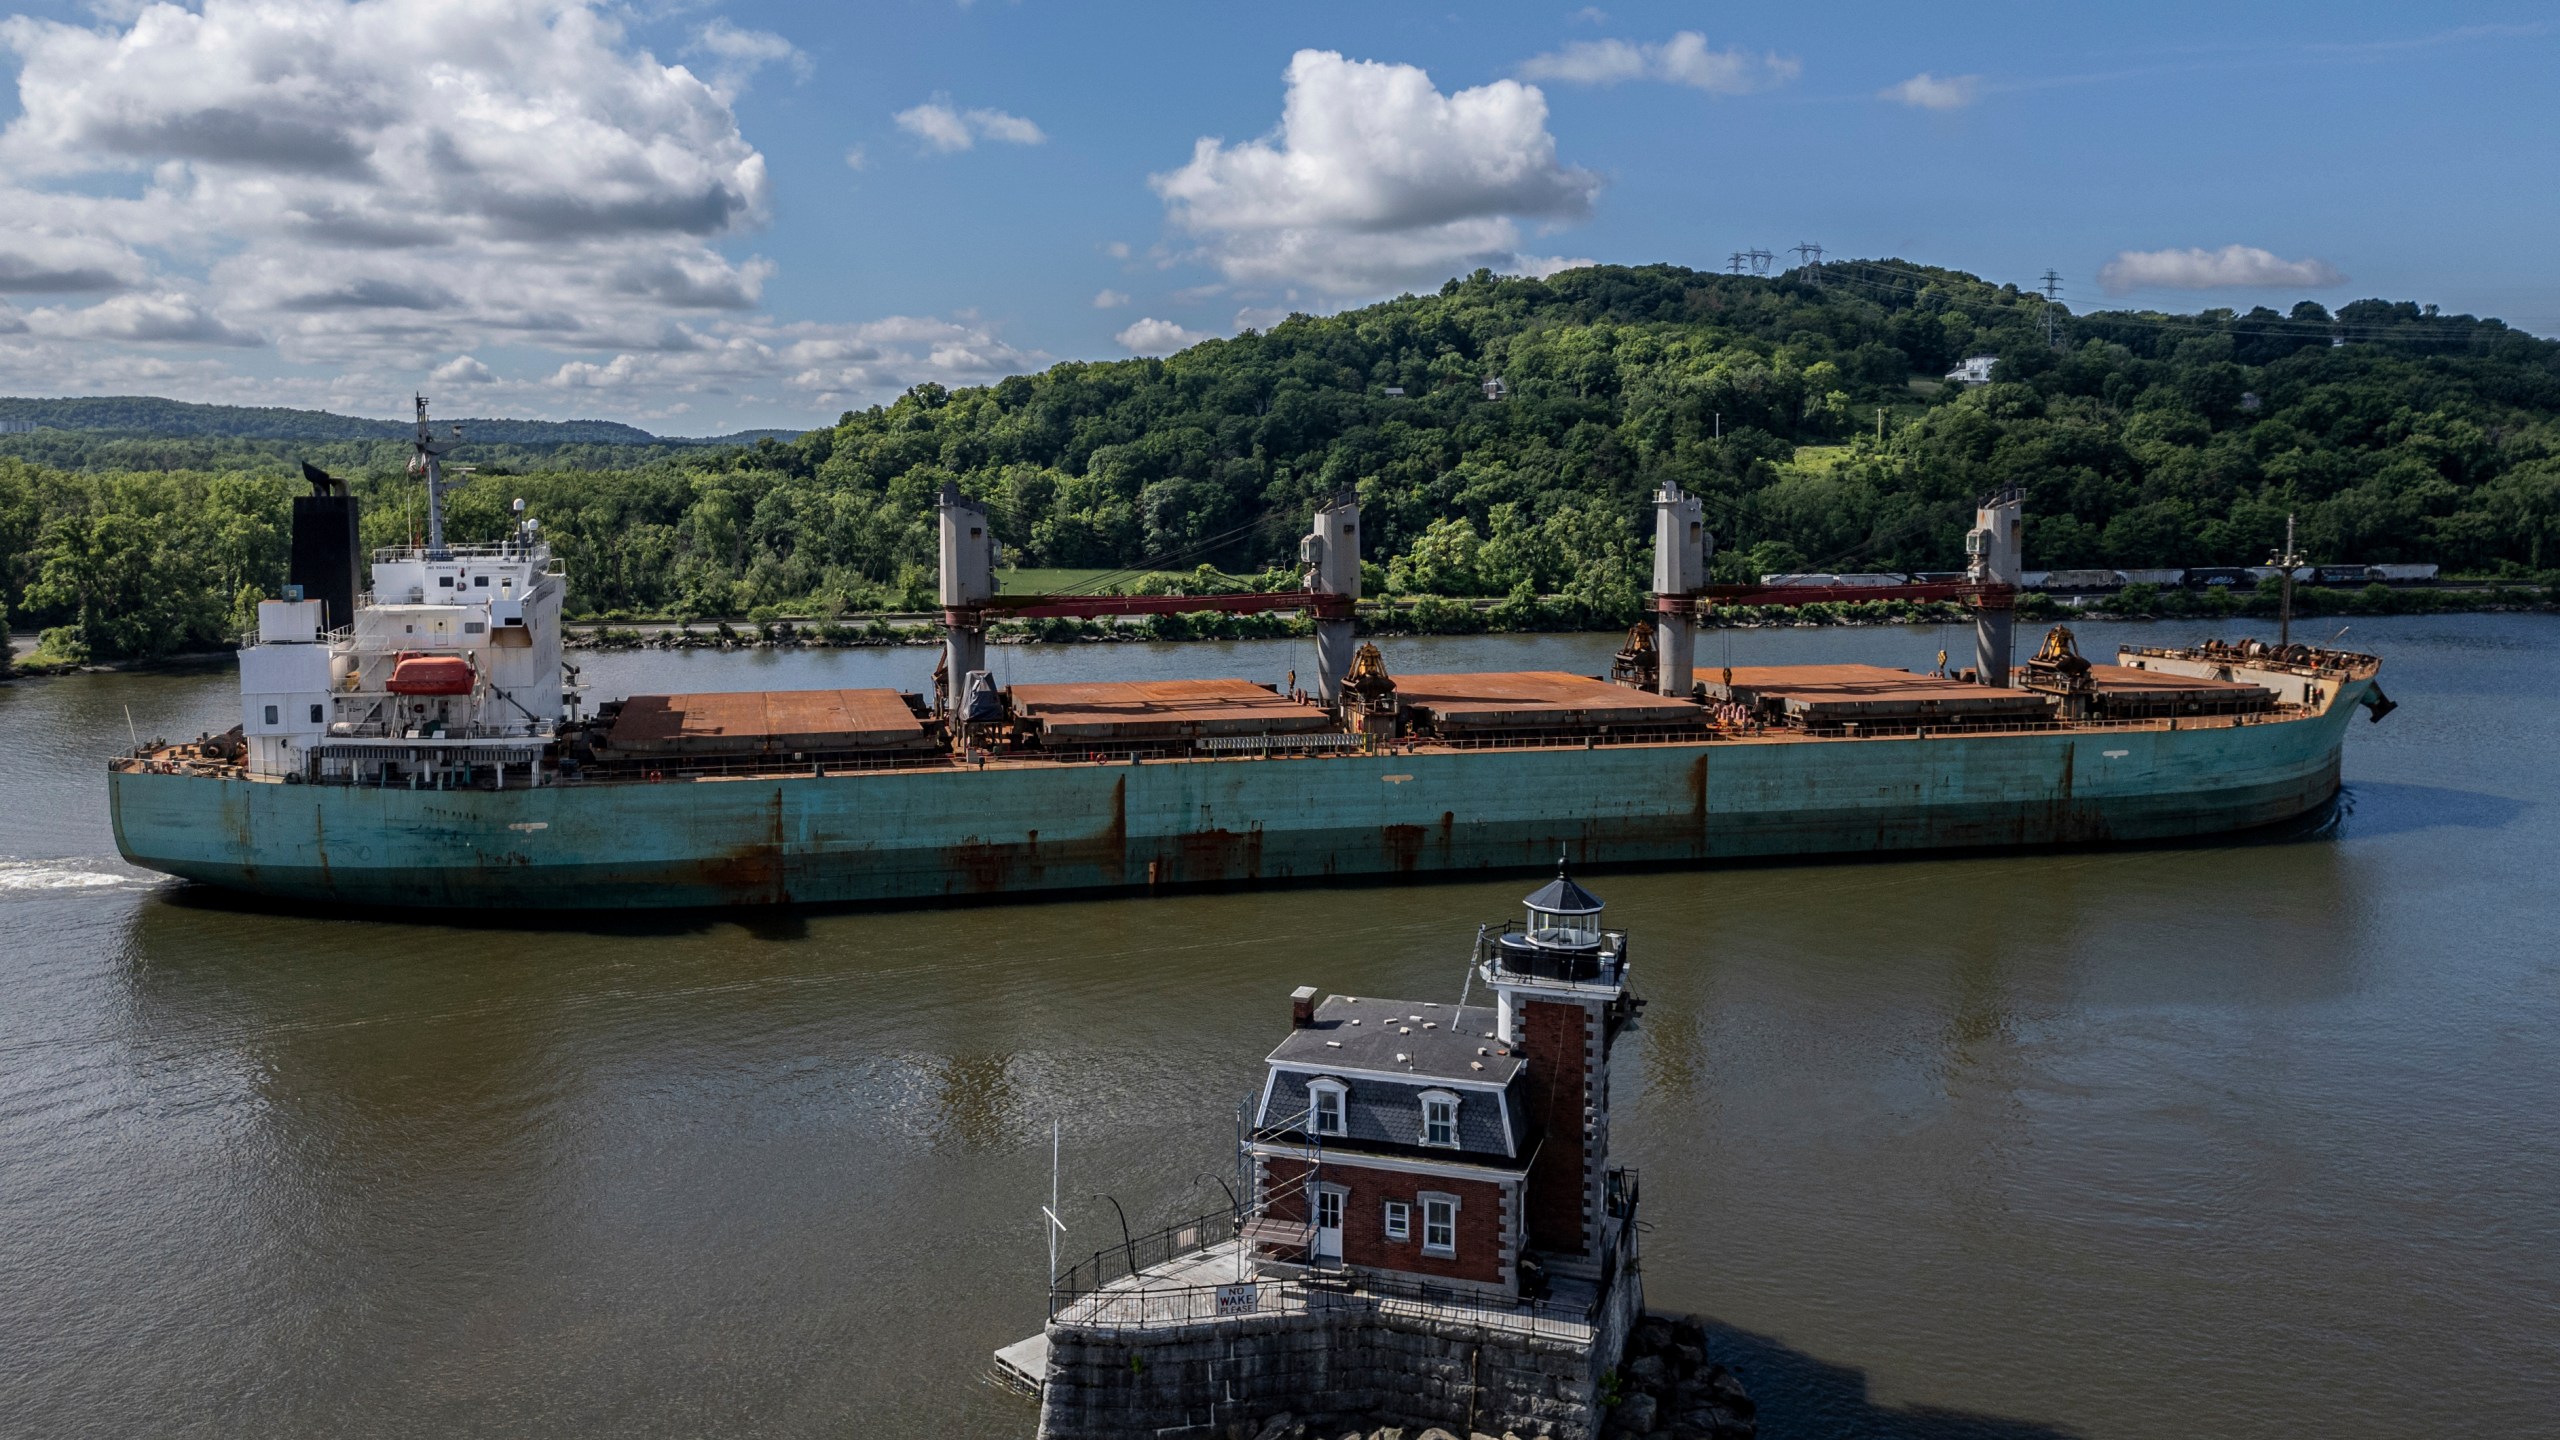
700,217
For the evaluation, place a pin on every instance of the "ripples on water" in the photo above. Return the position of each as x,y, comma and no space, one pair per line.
2247,1138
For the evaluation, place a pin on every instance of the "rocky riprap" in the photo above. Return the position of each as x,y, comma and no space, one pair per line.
1665,1386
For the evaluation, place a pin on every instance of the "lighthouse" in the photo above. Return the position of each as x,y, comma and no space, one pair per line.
1560,980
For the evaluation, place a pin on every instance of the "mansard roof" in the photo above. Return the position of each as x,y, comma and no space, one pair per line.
1423,1039
1383,1116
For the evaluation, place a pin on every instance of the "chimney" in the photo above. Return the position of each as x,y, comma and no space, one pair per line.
1302,1007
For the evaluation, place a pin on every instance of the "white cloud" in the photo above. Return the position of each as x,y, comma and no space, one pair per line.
1589,15
736,54
816,364
162,319
1539,267
363,186
2201,269
1110,299
1925,91
1375,179
1011,129
856,158
370,179
461,370
1684,59
1151,336
37,262
1117,249
947,129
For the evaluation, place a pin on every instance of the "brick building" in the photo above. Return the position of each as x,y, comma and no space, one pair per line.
1464,1146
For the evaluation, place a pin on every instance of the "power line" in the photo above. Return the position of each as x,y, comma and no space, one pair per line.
2332,328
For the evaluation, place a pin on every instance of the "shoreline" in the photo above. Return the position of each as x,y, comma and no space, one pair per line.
1445,617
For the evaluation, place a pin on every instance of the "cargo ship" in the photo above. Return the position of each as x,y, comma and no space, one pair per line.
410,737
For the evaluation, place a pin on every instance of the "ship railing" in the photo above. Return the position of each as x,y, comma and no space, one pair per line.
1569,740
502,550
624,766
2214,719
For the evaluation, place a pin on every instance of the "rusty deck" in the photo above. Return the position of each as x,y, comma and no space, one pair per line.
1162,709
1830,694
1538,699
2163,688
764,722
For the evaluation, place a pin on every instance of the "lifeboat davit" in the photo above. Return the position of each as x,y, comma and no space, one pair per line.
431,675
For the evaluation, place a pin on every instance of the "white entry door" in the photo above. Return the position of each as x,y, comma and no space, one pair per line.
1328,1223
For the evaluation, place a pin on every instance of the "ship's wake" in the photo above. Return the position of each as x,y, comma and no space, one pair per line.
19,876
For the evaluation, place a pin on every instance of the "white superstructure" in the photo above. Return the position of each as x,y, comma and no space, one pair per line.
451,667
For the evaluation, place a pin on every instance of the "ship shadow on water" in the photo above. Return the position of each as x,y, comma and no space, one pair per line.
1802,1398
2370,809
778,923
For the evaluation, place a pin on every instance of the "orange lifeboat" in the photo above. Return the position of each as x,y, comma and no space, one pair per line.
415,674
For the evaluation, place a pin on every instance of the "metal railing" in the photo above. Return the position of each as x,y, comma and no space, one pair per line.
1106,1268
1603,963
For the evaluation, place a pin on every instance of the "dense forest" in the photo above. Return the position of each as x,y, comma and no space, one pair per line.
1806,408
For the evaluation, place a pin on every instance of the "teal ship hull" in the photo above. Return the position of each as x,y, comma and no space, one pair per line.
946,831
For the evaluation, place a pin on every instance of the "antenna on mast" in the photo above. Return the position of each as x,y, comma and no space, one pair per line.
1056,1226
2289,559
429,463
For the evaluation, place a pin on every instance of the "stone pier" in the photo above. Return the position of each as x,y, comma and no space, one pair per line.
1151,1356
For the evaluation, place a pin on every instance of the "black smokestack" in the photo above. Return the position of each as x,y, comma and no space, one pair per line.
325,551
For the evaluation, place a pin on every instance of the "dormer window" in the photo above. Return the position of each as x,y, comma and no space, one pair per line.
1325,1107
1439,1118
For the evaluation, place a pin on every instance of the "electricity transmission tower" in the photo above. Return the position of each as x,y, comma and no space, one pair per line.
1809,257
2052,288
1760,260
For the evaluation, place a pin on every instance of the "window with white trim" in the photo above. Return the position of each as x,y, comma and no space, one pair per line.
1399,1220
1439,1118
1325,1107
1440,1225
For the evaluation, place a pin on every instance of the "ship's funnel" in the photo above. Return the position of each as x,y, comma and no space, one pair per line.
326,551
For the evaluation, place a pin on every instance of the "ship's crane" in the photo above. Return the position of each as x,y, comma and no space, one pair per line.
1683,550
1330,593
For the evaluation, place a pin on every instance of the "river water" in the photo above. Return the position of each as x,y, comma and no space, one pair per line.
2240,1139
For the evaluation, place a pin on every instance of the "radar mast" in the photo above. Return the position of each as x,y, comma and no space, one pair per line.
429,463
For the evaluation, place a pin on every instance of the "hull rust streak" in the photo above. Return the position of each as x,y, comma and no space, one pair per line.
953,832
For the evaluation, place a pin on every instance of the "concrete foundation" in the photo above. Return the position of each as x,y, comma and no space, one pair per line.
1460,1368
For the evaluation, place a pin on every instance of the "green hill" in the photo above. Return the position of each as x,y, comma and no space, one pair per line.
147,417
1808,409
